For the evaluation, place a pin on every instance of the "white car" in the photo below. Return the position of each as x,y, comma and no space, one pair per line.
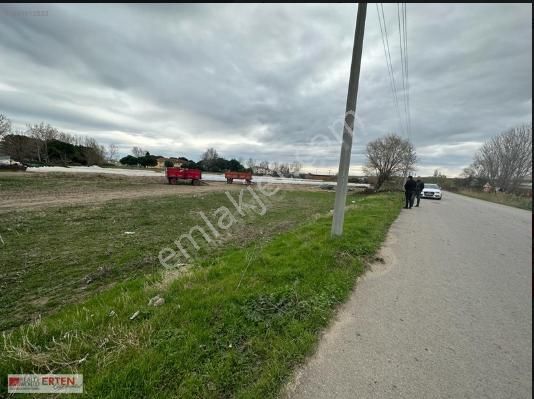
431,191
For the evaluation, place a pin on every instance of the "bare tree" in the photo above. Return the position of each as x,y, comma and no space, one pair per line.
469,176
66,138
112,152
251,163
468,173
295,167
138,152
209,158
34,132
42,134
283,169
209,155
264,165
506,159
5,126
389,156
95,153
439,177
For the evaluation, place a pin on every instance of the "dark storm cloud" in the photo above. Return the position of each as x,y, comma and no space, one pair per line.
266,81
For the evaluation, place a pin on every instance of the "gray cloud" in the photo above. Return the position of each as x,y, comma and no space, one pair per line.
266,81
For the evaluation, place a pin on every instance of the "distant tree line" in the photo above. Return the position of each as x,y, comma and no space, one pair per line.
275,169
144,160
43,144
211,161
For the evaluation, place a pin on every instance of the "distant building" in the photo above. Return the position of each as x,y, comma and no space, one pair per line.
177,162
258,170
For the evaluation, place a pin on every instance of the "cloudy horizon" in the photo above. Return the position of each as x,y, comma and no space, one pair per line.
266,81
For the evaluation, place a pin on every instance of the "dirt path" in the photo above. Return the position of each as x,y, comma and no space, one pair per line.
82,196
38,191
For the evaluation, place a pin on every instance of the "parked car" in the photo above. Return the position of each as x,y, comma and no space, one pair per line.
431,191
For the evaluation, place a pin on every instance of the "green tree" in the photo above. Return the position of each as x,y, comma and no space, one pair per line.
235,166
148,160
191,165
129,160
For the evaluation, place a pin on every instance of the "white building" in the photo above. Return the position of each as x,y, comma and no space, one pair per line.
258,170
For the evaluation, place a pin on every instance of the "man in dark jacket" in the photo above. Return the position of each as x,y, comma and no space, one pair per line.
409,192
419,186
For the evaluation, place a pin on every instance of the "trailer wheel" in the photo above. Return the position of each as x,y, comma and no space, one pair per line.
172,180
195,182
229,180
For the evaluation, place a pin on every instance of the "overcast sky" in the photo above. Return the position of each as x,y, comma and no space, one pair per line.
266,81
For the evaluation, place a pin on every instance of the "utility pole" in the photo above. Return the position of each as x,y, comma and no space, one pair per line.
348,128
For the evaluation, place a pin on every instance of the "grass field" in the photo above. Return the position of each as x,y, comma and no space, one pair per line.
500,198
235,321
21,183
59,255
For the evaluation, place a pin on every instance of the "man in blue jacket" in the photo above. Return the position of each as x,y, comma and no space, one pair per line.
409,192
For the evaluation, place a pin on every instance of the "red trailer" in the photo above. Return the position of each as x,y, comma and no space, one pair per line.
173,174
230,176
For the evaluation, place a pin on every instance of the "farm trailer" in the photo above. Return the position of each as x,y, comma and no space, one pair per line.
230,176
175,174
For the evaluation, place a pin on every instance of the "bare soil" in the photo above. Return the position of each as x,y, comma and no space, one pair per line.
40,190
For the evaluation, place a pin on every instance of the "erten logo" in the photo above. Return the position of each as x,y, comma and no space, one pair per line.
45,383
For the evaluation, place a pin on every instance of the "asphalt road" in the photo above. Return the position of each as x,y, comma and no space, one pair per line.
449,314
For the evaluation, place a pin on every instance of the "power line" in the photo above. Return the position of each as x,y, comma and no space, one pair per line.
406,70
387,54
404,51
401,46
392,71
403,64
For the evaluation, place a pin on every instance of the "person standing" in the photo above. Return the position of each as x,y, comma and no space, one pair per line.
419,186
409,192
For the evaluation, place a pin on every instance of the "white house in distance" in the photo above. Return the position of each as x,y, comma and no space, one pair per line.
177,162
258,170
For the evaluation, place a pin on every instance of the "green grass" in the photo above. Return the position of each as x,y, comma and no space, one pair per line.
500,198
59,255
235,325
